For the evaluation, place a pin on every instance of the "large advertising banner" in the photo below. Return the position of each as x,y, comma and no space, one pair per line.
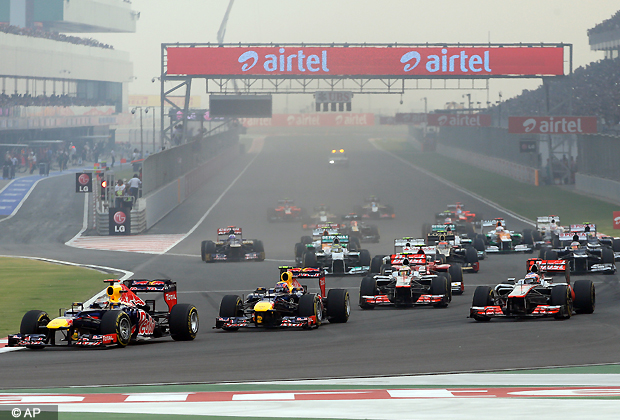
552,125
311,120
323,62
459,120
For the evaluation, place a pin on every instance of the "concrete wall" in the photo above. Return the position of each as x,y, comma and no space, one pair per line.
607,189
101,15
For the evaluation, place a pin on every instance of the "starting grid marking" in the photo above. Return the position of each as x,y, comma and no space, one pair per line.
328,395
146,244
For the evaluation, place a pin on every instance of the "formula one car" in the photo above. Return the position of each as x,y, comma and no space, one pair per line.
336,257
535,295
501,240
583,250
314,242
373,209
338,158
288,304
410,249
321,215
114,317
409,282
454,249
465,221
548,229
231,246
286,211
354,227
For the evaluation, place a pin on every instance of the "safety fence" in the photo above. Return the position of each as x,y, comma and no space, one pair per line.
599,156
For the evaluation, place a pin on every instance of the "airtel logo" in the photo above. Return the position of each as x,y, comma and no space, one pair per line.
448,63
442,120
617,220
529,124
285,62
120,217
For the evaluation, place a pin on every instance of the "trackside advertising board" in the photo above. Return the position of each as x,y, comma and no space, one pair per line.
324,62
552,125
311,120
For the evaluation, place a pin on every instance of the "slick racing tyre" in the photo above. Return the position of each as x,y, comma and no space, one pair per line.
34,322
354,243
259,248
368,287
183,322
117,322
607,255
527,237
585,296
309,259
561,296
208,250
456,274
440,286
364,258
202,250
338,306
376,263
306,240
471,257
310,305
483,296
542,254
478,244
230,307
299,249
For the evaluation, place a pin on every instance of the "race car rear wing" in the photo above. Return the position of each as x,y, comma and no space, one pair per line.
440,237
493,222
546,220
230,230
328,239
307,273
408,259
408,243
550,267
444,227
585,227
572,236
165,286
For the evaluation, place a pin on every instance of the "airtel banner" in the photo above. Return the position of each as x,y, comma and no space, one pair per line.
616,219
552,125
459,120
322,62
311,120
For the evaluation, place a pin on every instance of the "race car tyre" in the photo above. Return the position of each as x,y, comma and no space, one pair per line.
368,287
34,322
551,255
483,296
561,296
309,259
231,306
471,255
441,258
209,249
364,257
468,229
306,240
441,286
202,250
376,263
615,244
183,321
526,237
299,249
478,244
374,232
310,305
543,252
359,210
555,242
585,296
536,236
386,269
116,322
426,229
607,255
338,306
456,274
354,243
389,210
272,215
260,249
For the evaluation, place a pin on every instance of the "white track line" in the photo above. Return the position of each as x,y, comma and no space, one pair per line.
456,187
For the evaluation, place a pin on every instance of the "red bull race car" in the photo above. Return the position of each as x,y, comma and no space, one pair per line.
230,246
535,295
114,317
288,304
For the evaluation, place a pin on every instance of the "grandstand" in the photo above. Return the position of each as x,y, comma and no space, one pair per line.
606,36
56,81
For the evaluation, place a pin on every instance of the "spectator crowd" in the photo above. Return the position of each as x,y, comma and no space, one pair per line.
26,99
607,25
55,36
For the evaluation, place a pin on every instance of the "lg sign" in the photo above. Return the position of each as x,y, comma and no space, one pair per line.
83,183
120,222
552,125
366,61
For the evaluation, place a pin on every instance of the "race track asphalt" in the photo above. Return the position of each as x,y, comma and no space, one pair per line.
384,341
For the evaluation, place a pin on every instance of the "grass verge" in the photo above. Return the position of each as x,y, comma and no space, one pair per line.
527,200
31,284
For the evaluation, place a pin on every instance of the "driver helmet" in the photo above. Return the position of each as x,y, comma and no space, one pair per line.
231,237
282,287
499,228
531,278
404,271
336,248
443,245
574,245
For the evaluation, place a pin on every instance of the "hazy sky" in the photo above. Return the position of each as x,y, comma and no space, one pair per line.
451,21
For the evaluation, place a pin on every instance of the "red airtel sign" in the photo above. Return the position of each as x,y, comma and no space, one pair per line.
552,125
459,120
322,62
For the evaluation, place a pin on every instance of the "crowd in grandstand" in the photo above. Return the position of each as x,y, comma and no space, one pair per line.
610,24
52,100
41,33
593,90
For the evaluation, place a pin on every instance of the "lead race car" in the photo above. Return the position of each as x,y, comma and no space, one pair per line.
410,281
230,246
114,317
288,304
536,295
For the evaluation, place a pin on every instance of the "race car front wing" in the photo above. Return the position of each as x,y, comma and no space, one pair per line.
244,321
496,311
